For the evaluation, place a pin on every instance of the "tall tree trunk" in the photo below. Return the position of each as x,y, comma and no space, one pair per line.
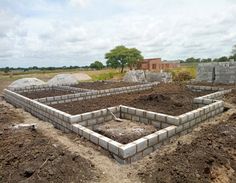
122,68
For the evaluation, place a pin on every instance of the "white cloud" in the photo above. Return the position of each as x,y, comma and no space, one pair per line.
72,36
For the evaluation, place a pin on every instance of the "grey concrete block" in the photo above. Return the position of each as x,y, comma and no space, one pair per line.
127,150
141,144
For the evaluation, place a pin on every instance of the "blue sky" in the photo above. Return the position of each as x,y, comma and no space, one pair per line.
78,32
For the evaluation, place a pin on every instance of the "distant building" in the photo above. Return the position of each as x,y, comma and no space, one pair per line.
156,64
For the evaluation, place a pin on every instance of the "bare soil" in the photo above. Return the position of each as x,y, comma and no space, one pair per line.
125,131
231,97
208,154
170,99
102,85
211,157
28,156
45,93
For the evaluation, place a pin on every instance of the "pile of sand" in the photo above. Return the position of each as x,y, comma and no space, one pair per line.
21,83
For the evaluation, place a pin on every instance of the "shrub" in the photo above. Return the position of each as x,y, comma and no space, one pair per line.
182,76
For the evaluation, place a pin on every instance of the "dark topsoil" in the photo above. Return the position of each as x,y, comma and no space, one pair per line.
208,158
102,85
45,93
125,131
28,156
170,99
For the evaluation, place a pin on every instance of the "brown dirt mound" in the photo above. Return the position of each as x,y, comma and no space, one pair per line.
102,85
170,99
208,158
125,131
28,156
46,93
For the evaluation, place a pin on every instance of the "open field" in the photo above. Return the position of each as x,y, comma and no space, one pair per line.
104,74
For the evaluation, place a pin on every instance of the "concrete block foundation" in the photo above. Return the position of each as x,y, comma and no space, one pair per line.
85,124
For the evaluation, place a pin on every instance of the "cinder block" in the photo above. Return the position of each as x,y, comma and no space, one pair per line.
152,139
86,133
131,110
92,121
135,118
120,160
113,146
147,151
151,115
137,157
75,119
103,142
143,120
173,120
141,144
94,137
161,117
162,134
86,116
170,130
140,112
127,150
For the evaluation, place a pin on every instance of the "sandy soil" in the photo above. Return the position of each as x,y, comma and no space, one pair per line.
125,131
170,99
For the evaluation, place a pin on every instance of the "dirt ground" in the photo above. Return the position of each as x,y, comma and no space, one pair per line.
208,154
125,131
45,93
170,99
102,85
211,157
28,156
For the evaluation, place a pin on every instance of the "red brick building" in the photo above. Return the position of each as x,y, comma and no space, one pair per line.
156,64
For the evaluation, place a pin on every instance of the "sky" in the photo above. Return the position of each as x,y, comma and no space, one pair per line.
78,32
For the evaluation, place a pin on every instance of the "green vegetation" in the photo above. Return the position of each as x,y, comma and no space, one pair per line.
184,73
97,65
108,75
121,56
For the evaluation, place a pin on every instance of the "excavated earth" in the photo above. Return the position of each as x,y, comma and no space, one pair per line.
45,93
211,157
28,156
102,85
208,154
125,131
170,99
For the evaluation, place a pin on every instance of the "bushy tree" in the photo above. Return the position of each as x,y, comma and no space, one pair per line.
97,65
192,60
121,56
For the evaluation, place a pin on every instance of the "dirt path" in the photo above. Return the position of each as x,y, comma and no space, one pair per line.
111,170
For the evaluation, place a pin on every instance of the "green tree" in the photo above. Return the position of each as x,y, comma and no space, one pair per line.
223,59
121,56
206,60
233,56
134,56
192,59
97,65
6,69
